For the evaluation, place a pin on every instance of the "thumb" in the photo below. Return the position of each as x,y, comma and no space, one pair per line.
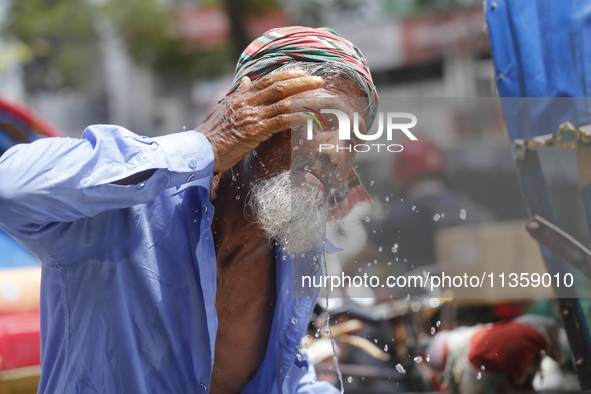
245,82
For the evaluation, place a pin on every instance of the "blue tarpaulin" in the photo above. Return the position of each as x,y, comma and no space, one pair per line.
541,50
542,55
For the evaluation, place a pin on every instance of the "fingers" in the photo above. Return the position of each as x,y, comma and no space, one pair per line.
270,79
280,123
282,89
292,105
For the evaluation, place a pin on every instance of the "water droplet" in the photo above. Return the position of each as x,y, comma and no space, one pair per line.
317,334
254,153
482,368
284,258
438,324
463,214
326,331
407,297
479,375
380,249
387,198
385,348
436,217
395,248
294,320
367,219
296,147
414,207
302,255
301,142
375,340
418,359
428,357
432,330
400,368
184,128
306,168
350,379
371,183
238,197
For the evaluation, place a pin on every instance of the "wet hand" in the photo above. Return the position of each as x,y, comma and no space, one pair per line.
252,114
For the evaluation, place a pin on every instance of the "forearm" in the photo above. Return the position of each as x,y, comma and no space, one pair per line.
64,179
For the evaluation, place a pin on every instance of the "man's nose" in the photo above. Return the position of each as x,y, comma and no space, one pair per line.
330,145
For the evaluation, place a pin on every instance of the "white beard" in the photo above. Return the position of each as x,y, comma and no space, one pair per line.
296,216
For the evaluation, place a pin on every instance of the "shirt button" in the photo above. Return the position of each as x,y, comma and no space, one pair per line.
192,163
191,177
203,387
140,186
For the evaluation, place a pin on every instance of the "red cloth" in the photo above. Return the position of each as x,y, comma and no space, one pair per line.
19,340
508,347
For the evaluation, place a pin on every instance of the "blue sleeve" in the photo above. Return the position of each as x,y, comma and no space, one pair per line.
65,179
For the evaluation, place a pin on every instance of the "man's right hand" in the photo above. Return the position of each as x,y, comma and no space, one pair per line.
252,114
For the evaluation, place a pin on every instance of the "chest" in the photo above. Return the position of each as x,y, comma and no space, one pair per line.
245,303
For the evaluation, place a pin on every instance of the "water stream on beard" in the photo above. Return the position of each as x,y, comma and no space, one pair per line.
335,354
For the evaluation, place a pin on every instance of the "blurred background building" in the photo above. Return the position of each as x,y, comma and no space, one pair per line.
157,66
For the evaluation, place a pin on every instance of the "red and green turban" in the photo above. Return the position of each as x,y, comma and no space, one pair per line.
296,43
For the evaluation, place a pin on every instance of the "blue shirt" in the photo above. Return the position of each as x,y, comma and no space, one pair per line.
129,272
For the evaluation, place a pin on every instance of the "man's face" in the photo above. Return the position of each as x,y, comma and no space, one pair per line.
327,169
295,180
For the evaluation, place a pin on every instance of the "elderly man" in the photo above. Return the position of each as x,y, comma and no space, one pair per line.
144,288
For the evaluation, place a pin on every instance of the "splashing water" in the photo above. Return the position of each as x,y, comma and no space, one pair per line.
463,214
335,355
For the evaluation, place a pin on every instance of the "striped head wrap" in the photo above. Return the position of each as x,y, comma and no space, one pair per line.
296,43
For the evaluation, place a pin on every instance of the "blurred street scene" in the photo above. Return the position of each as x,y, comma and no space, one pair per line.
157,66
